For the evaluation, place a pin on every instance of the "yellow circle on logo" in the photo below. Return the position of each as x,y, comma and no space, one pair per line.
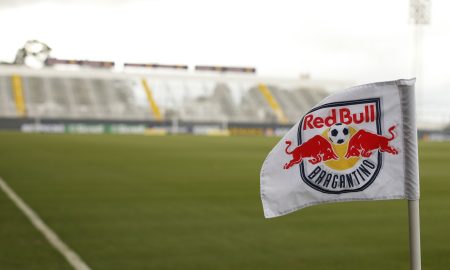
341,149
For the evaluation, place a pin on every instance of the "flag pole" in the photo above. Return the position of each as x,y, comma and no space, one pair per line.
414,234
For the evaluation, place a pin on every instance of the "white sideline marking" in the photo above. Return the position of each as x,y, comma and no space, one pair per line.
51,236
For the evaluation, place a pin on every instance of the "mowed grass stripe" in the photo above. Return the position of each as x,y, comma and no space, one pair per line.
134,202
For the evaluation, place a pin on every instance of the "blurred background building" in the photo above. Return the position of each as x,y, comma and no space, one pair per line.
265,74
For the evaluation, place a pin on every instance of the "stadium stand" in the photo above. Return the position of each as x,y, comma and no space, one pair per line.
104,95
7,108
73,98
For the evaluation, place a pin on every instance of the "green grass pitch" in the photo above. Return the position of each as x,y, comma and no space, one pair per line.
185,202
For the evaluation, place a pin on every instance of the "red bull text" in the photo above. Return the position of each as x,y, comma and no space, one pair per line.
340,146
342,115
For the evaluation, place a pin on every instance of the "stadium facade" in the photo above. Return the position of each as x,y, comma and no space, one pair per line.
158,102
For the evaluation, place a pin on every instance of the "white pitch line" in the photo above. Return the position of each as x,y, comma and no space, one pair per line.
71,257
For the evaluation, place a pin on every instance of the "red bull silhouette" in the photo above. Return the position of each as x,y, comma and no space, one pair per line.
363,143
317,148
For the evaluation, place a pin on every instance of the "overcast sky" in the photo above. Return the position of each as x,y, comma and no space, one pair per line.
353,40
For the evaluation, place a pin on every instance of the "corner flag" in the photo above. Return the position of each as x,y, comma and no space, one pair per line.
358,144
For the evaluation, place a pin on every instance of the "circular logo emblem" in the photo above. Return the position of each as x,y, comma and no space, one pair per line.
340,146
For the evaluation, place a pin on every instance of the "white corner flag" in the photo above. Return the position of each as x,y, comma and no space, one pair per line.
358,144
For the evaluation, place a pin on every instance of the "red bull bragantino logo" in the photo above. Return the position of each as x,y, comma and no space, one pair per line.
341,146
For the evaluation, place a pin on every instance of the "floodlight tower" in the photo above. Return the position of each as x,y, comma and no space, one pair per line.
420,17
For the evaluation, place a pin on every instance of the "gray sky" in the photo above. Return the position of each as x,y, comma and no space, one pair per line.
352,40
